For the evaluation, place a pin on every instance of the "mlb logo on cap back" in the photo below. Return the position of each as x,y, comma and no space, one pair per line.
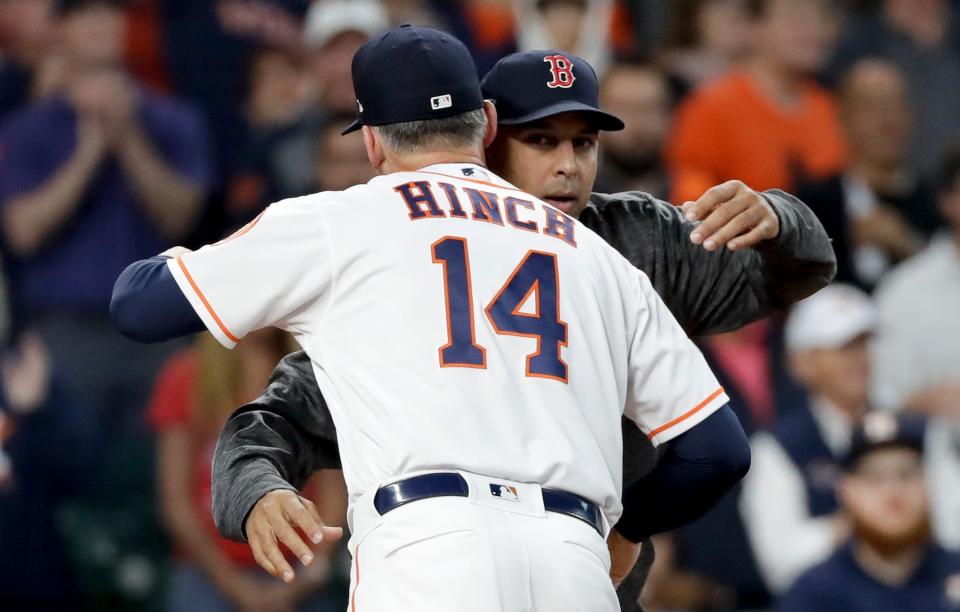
441,102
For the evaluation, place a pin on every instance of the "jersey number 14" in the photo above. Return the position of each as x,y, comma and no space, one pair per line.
536,274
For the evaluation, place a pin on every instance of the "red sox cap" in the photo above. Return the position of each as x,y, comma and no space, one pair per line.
412,73
537,84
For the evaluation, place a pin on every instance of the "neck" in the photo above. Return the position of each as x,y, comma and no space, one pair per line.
892,569
881,176
414,161
781,85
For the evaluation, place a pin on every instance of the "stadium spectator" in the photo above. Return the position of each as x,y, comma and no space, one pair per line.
97,175
890,564
632,159
922,37
275,99
194,394
208,44
788,504
878,211
341,160
26,33
705,39
48,445
580,27
282,156
766,124
917,355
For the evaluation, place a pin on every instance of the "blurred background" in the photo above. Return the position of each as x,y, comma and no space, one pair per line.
130,126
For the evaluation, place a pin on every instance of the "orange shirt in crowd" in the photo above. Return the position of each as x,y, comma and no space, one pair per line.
729,130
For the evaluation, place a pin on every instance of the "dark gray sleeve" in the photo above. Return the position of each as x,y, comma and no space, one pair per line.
275,442
713,292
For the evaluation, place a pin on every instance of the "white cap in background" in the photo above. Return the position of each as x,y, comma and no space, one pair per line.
328,18
830,318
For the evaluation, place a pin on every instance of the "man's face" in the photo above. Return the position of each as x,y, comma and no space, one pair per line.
886,498
839,374
93,36
795,34
554,159
639,97
331,68
342,160
876,113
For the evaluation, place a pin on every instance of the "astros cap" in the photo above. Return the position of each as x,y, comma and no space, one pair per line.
412,73
884,430
830,318
536,84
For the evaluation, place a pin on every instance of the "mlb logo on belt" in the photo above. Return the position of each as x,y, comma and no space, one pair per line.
440,102
504,491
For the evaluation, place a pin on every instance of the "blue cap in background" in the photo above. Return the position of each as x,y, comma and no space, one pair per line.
536,84
412,73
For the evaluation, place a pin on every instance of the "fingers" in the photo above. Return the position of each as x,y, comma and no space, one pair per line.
260,555
759,233
305,516
275,556
291,539
707,232
740,222
713,198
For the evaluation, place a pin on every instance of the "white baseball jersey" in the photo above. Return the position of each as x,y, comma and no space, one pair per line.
455,322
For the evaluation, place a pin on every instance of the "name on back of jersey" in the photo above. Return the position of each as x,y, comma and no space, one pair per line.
439,200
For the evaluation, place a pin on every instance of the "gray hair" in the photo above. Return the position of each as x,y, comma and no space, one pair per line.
465,129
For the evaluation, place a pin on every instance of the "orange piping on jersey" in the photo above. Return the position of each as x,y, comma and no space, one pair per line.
463,178
685,415
243,230
356,585
203,299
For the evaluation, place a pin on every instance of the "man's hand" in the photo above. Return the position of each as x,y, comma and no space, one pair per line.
273,518
623,556
731,214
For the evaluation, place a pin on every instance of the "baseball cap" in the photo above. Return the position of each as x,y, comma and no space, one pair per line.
535,84
884,430
830,318
328,18
413,73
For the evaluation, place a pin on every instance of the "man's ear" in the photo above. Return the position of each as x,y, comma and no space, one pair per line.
375,153
491,111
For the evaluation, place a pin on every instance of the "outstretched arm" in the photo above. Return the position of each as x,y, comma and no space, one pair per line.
710,288
275,442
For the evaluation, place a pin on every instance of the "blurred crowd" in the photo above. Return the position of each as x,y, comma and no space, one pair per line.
130,126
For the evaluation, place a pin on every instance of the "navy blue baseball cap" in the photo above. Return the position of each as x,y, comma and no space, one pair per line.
413,73
884,430
529,86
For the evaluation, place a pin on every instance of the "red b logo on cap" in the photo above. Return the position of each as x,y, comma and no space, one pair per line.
561,69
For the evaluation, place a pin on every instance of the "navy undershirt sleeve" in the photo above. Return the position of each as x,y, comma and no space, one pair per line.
148,305
696,470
